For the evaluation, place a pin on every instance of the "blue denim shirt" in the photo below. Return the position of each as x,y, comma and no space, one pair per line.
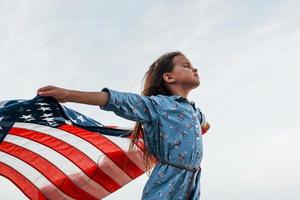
172,131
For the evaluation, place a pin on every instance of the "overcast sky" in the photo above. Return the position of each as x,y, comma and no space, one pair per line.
247,54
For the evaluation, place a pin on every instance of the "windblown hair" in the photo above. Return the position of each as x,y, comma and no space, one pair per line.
153,85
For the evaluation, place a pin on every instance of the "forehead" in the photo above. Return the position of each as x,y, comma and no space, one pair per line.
180,59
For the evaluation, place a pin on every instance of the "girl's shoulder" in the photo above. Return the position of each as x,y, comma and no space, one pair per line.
163,99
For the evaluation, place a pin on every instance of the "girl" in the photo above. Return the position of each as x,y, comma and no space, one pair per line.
170,125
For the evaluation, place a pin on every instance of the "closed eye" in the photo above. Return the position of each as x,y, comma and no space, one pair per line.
188,66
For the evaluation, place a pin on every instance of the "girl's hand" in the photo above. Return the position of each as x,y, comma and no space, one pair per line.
60,94
205,127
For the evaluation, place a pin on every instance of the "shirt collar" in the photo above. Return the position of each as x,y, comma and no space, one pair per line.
178,98
182,99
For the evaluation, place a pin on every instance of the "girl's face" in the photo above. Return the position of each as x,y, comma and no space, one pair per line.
184,73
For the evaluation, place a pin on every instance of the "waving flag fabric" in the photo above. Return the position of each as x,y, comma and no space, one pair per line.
50,151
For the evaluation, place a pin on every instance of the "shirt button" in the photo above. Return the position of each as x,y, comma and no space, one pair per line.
194,114
197,126
198,138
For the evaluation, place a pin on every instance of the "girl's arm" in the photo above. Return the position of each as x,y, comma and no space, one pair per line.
130,106
64,95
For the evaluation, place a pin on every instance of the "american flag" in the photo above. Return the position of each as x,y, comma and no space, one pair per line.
50,151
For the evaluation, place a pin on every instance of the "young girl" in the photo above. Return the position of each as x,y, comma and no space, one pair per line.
170,125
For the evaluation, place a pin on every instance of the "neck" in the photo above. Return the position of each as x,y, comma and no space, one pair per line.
180,92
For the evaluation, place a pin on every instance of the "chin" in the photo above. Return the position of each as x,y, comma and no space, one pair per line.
197,84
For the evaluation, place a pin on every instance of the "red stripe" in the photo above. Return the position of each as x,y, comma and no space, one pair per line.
30,190
88,166
110,149
52,173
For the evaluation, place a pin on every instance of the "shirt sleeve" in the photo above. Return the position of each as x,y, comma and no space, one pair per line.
201,117
131,106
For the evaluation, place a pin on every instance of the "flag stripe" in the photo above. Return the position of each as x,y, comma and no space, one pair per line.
29,189
66,166
59,179
107,165
88,166
46,187
124,144
116,154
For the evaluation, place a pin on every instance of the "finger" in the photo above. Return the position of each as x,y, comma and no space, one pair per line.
49,87
43,90
45,93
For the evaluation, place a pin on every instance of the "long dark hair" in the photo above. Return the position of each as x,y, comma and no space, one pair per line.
153,85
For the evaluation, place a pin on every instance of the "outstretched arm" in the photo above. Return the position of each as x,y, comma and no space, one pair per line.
65,95
130,106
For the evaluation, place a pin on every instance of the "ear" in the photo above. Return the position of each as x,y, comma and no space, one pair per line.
168,77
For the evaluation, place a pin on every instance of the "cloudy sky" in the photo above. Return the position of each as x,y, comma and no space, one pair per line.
245,51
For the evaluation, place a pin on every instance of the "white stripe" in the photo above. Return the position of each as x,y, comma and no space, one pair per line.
62,163
124,143
105,163
34,176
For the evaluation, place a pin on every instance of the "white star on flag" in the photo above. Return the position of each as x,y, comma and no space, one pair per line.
26,117
49,119
81,118
30,119
42,104
44,108
47,115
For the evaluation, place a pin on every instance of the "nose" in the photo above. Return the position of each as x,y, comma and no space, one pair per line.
195,70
